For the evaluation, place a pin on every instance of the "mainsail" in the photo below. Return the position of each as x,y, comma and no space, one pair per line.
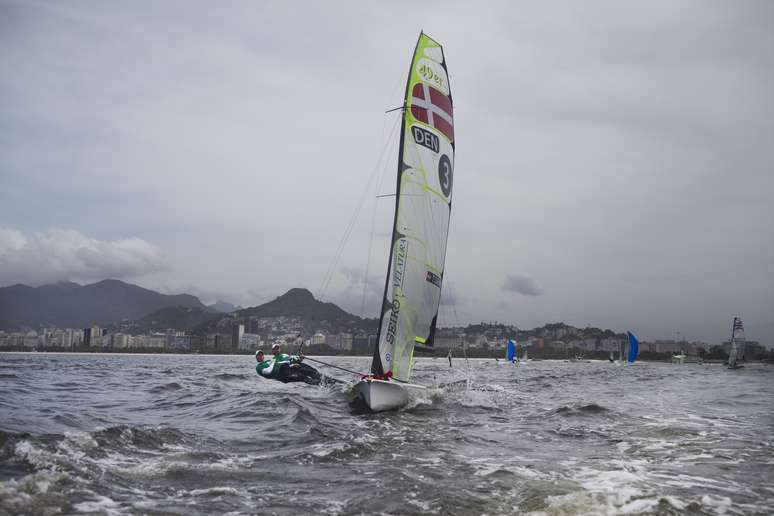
423,202
736,352
510,352
634,347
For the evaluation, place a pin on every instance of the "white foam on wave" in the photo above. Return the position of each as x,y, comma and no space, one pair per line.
334,507
485,467
212,491
38,457
69,451
325,449
155,467
419,397
20,496
100,504
721,504
588,503
422,505
484,396
619,485
689,481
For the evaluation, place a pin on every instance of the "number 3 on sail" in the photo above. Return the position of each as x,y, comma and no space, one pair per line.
412,290
445,174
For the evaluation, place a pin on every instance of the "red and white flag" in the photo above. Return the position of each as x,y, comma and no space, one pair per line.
432,107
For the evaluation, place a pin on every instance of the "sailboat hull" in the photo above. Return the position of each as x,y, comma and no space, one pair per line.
381,395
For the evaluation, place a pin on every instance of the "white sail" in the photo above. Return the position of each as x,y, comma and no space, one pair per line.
736,353
423,203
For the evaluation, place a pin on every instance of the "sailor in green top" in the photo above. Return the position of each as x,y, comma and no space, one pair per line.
282,358
265,367
286,368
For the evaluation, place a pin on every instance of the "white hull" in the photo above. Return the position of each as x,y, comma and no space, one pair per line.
381,395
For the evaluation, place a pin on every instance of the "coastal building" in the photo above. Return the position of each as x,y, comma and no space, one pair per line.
250,341
363,343
342,341
236,334
120,340
223,341
180,343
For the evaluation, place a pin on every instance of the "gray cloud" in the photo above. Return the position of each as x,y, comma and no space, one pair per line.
598,146
65,254
521,285
353,297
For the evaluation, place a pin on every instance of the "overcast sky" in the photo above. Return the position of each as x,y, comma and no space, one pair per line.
614,167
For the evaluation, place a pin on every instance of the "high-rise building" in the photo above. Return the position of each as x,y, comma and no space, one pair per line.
236,334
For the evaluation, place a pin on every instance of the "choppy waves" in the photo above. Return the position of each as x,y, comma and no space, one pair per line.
202,435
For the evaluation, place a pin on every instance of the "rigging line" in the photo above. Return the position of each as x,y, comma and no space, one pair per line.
353,220
457,323
345,237
334,366
380,181
348,231
368,260
355,217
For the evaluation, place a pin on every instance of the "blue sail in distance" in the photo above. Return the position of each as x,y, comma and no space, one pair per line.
511,351
634,347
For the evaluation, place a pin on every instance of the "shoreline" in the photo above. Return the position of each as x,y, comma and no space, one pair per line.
500,360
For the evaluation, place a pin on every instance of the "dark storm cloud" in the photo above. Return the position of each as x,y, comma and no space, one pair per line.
523,285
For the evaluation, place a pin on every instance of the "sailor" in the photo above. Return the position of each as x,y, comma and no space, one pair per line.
265,367
284,358
286,368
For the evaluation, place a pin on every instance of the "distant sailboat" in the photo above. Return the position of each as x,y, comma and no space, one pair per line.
621,354
679,358
418,250
736,353
620,360
634,347
510,351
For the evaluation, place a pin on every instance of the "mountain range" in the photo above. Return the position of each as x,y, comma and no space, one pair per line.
116,304
301,304
70,305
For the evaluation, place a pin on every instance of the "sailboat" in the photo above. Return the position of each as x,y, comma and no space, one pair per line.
679,358
510,352
634,347
620,360
737,344
415,269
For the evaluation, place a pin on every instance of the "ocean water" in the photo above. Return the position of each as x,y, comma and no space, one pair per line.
138,434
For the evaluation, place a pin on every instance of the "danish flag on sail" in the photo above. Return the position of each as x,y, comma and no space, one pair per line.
432,107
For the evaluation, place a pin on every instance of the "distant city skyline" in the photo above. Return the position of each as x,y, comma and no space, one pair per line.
445,324
613,163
